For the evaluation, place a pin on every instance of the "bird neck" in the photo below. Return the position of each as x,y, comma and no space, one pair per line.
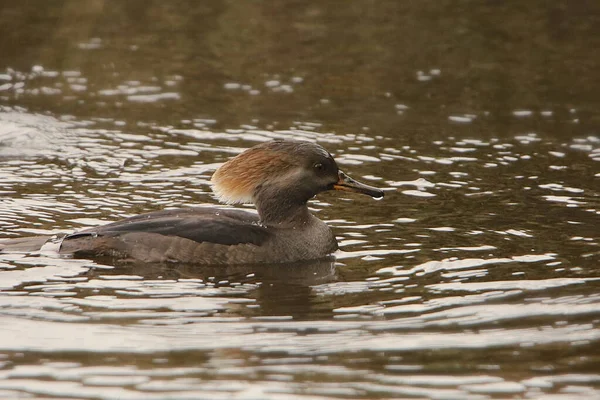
282,208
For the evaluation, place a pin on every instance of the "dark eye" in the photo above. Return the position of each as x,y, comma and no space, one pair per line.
319,167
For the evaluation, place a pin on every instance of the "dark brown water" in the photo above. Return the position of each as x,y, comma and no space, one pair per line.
476,277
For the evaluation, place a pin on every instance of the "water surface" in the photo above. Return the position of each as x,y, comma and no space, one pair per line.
476,277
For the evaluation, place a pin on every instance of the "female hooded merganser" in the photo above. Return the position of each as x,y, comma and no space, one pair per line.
279,177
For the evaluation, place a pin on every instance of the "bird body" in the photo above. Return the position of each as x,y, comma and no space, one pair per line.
279,177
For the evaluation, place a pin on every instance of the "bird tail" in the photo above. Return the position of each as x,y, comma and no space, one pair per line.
23,245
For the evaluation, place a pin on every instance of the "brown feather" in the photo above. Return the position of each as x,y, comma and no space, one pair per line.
236,180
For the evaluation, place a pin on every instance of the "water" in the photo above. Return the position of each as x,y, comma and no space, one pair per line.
476,277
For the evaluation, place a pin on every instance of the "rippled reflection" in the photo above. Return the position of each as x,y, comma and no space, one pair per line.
475,278
450,261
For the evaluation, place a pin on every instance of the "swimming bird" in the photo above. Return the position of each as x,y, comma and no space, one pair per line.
279,177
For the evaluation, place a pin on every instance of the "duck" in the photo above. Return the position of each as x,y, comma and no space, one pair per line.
278,177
